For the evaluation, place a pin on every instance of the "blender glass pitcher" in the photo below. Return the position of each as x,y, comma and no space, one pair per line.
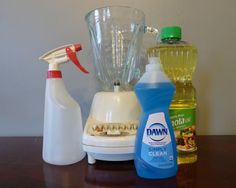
116,37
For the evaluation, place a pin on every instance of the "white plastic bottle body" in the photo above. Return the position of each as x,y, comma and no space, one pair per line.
62,138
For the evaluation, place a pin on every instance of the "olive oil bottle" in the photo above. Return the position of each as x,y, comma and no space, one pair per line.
179,60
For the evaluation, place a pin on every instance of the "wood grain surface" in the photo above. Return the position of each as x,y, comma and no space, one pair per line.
21,166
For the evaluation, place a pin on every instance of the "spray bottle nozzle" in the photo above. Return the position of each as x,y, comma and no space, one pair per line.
61,55
72,56
78,47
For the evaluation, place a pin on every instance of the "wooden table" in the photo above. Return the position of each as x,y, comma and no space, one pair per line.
21,166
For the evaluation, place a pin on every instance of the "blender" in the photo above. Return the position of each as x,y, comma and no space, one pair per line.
116,38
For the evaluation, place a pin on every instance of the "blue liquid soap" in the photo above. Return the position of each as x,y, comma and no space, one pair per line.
155,150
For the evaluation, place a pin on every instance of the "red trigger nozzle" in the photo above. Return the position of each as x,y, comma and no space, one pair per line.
73,58
78,47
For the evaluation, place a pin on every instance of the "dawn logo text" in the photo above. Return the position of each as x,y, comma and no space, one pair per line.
157,132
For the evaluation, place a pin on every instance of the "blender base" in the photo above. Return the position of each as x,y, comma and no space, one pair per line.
108,148
110,130
108,154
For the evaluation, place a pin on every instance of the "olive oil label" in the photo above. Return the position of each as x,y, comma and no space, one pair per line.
183,122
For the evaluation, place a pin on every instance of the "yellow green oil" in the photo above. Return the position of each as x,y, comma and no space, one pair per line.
179,62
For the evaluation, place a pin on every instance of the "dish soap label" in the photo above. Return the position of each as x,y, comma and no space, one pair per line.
183,122
157,149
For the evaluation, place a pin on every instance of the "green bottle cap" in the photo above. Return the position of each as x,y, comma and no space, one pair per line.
171,32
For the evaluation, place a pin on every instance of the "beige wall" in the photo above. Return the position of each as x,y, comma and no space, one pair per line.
29,28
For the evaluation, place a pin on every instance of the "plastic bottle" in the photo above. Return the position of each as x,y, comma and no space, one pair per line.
179,60
155,150
62,136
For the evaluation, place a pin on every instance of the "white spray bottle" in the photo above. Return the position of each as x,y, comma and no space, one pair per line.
62,137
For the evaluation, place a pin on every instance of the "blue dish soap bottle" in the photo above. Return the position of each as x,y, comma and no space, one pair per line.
155,150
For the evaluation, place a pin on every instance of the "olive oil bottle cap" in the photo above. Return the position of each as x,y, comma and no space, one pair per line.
171,32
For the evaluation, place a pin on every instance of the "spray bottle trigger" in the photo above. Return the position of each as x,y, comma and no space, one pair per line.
72,56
